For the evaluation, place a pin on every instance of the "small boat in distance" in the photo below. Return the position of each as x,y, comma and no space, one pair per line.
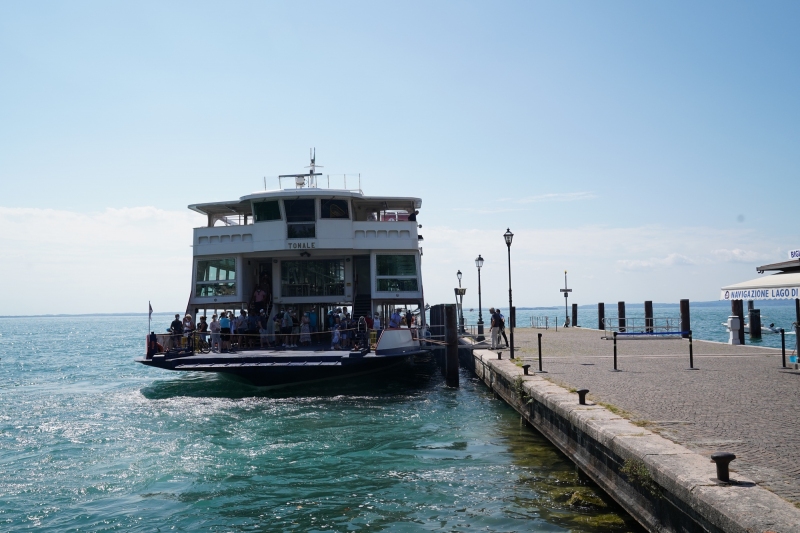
339,264
765,330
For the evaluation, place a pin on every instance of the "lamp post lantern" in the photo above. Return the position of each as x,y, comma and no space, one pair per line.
508,236
461,304
479,264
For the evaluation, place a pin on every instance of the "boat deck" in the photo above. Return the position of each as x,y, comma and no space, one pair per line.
255,357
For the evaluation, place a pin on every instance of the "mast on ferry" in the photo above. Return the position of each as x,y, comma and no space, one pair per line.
300,179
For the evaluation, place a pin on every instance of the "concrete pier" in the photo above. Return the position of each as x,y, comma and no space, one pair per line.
657,414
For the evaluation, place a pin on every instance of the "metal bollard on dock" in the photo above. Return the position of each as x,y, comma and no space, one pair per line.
582,396
722,460
540,355
691,353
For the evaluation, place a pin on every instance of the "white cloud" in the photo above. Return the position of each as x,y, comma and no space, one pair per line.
604,263
737,255
555,197
113,260
486,210
654,262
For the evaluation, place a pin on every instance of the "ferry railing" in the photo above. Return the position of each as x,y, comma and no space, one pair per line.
315,182
184,345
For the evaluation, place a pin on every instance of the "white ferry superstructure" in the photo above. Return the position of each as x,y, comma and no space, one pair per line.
312,249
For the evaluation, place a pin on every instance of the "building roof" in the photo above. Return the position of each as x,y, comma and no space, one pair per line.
784,266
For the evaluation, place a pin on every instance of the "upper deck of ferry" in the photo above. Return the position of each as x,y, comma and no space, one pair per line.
301,214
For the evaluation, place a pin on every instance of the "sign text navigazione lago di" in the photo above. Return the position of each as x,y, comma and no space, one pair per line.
781,293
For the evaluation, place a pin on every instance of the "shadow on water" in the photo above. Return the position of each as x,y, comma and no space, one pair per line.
398,381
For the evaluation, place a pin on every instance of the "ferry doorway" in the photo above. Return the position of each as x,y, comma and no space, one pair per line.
264,277
362,301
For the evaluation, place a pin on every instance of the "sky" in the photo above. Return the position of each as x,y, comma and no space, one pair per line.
649,149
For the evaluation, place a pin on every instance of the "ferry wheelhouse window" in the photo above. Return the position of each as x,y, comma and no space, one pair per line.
300,219
312,278
396,273
334,209
265,211
216,277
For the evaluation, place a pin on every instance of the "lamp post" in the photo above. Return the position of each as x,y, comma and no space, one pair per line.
460,304
508,236
479,264
566,292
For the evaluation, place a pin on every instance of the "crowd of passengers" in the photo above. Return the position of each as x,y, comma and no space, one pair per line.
286,329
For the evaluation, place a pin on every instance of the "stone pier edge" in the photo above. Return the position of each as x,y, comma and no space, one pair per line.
681,494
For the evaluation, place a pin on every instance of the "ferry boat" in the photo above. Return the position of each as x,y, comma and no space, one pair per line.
312,250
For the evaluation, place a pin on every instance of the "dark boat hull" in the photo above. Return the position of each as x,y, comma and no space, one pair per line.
270,369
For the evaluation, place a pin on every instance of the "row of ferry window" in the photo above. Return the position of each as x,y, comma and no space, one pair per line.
322,277
300,210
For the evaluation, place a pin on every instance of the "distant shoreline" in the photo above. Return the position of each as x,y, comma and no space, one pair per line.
712,303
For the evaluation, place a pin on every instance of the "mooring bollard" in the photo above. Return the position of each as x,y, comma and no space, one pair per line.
648,316
686,321
525,369
499,355
615,352
722,460
582,396
601,316
540,355
691,352
451,350
783,347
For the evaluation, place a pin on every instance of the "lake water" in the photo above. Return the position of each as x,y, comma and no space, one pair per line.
91,441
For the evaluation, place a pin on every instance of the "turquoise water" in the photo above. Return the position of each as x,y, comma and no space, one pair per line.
91,441
706,321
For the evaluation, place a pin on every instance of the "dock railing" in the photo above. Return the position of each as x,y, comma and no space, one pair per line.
544,322
641,326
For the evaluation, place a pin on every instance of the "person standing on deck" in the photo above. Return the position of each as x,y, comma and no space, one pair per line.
263,329
260,299
202,328
224,332
214,327
395,319
286,329
305,331
312,320
177,332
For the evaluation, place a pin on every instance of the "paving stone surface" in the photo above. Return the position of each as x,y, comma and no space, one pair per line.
739,400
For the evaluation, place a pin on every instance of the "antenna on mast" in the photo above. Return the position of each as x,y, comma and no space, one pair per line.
300,179
312,154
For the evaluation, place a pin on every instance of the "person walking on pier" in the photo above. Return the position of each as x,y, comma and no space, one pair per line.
495,317
502,327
